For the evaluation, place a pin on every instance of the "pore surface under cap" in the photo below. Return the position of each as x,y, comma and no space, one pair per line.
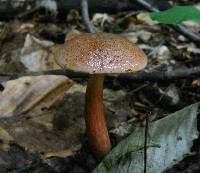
101,53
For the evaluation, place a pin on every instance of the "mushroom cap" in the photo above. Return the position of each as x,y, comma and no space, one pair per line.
96,53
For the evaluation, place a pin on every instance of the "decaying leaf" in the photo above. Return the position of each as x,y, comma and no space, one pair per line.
34,54
60,131
141,34
161,52
5,139
35,137
63,153
196,82
169,140
32,95
145,17
100,19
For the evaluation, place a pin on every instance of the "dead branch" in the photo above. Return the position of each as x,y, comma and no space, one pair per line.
167,76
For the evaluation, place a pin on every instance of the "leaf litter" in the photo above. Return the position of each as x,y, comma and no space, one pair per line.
59,125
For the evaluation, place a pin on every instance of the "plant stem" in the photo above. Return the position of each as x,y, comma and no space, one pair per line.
95,121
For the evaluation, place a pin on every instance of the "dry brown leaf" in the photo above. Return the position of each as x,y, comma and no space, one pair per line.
196,82
32,95
5,139
63,153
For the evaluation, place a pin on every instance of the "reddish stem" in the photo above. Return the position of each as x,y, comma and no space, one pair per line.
95,121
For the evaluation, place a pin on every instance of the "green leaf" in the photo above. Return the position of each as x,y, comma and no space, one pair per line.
176,15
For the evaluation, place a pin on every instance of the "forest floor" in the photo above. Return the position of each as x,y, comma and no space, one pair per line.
48,134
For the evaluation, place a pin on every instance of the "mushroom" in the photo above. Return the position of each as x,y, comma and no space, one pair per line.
98,54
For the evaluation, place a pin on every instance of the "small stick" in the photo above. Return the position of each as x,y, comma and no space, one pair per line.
84,9
145,143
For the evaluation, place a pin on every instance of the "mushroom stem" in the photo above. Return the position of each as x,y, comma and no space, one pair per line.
95,121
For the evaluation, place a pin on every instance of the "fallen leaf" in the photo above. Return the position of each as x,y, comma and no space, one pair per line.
63,153
196,82
140,34
169,140
32,95
101,18
5,139
35,55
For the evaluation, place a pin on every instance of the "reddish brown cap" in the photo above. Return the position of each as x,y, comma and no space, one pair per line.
100,53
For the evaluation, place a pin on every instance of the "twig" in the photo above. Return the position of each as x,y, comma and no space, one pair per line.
163,75
84,9
29,12
166,76
145,143
179,28
187,33
147,5
10,76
